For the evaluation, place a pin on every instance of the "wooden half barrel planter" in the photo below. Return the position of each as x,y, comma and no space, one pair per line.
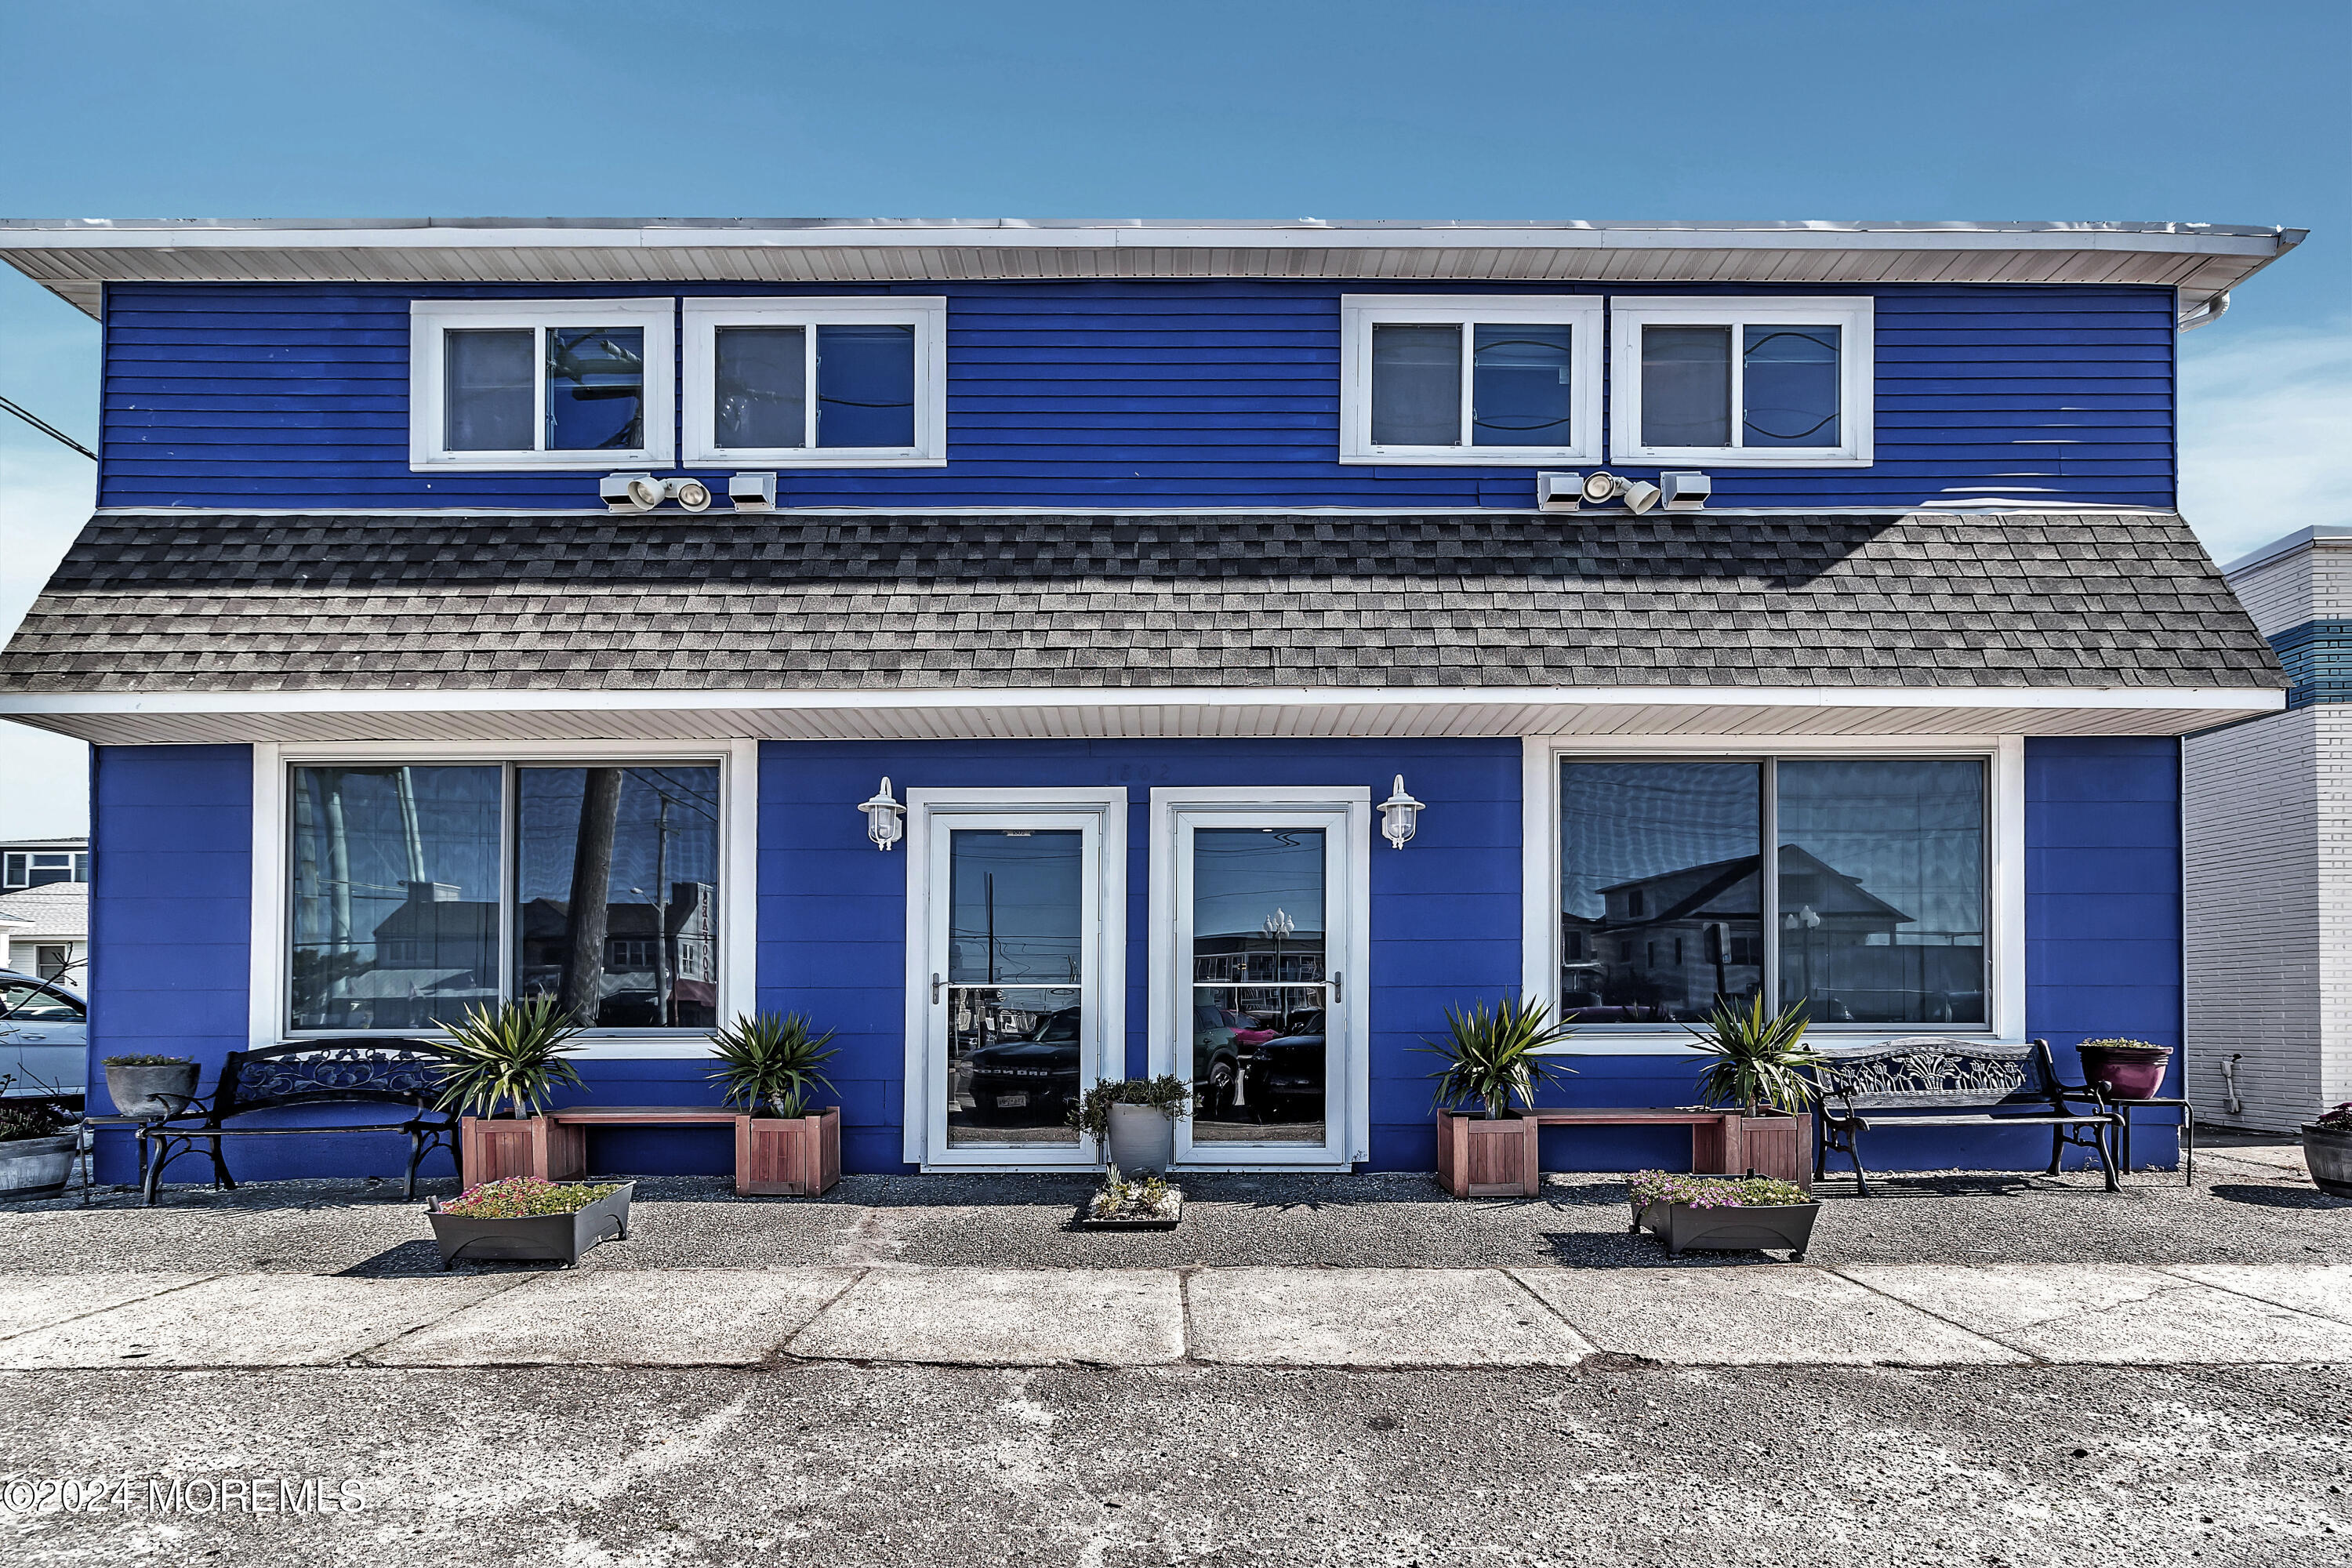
496,1147
543,1237
788,1156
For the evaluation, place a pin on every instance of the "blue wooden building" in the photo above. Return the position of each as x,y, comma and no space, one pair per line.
1042,652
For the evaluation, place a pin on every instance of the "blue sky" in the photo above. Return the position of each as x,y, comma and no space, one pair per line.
2215,112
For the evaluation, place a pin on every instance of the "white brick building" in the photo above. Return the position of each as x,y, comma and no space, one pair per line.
2266,810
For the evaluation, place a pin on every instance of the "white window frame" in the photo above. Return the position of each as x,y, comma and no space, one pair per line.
2004,893
739,894
1348,954
1359,314
1855,316
928,314
427,423
1100,810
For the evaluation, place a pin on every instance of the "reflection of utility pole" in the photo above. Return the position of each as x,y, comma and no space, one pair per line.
339,865
988,897
662,966
411,839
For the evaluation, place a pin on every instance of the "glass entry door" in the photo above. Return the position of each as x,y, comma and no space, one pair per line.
1264,1026
1012,987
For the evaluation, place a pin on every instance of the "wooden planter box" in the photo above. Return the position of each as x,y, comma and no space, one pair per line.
798,1157
495,1148
556,1238
1478,1158
1778,1146
1682,1226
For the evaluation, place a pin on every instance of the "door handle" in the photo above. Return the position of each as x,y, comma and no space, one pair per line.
936,983
1335,986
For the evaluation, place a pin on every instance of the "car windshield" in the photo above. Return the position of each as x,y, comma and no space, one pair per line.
1055,1028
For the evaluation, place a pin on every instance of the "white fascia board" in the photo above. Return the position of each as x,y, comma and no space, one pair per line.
2216,699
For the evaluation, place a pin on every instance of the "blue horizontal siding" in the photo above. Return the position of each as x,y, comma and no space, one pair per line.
1212,392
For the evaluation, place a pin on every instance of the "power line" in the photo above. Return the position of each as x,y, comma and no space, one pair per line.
46,428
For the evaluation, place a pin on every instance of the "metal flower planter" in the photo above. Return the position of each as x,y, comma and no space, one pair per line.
2328,1155
556,1238
1760,1226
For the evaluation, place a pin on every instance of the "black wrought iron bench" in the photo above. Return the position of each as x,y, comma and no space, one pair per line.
387,1071
1927,1080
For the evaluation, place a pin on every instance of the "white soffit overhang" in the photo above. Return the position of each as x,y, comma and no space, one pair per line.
75,258
1093,714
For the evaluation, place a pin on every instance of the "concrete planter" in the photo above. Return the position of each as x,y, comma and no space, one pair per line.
788,1157
157,1090
37,1167
1142,1139
2129,1072
1687,1227
2329,1156
549,1237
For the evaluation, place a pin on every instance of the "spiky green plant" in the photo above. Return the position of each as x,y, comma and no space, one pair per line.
1759,1058
770,1064
1492,1054
512,1056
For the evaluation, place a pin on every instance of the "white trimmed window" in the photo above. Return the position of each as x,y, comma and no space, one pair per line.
539,383
406,885
1484,379
820,383
1881,889
1741,383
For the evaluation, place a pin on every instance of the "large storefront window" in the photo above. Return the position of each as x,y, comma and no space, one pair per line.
418,892
1872,908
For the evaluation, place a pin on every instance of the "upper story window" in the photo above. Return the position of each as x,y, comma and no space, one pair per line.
34,868
1742,383
1470,379
817,382
538,384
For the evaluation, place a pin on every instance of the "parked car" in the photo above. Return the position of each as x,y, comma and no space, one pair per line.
1028,1081
44,1037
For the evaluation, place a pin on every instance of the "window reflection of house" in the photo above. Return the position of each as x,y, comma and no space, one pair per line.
661,963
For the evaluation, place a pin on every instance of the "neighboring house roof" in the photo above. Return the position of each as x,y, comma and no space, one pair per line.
77,841
75,257
52,910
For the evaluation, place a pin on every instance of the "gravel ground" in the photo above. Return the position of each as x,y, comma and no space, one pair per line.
2252,1205
910,1467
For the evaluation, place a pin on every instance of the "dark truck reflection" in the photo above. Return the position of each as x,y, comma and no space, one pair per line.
1244,1069
1028,1081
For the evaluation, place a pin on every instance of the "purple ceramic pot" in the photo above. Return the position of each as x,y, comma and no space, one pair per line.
2129,1072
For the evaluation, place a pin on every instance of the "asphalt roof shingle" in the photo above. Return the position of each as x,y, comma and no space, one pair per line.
225,603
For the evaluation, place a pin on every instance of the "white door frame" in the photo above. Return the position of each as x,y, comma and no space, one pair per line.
933,815
1345,813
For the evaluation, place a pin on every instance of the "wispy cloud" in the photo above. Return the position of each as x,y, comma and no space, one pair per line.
2265,433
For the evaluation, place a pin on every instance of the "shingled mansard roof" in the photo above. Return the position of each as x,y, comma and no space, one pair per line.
153,613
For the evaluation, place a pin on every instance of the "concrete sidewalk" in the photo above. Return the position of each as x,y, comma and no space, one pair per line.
1905,1315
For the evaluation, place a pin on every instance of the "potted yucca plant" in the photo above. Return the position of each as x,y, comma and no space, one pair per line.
1493,1056
1758,1066
503,1065
771,1064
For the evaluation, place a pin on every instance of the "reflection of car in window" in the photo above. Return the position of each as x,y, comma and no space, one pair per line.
1030,1078
1246,1067
42,1037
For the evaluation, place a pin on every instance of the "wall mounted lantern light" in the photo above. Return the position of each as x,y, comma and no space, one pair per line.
882,814
1398,814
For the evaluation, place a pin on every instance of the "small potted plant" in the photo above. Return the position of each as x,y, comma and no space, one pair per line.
503,1065
1759,1065
1119,1204
2124,1070
771,1066
1492,1056
2327,1151
36,1146
1728,1214
149,1086
520,1218
1133,1119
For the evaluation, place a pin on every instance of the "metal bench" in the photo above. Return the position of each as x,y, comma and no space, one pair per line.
1926,1081
367,1071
